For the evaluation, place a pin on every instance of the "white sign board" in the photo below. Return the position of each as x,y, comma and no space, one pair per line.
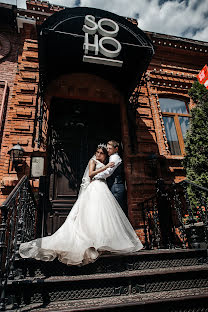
96,39
37,167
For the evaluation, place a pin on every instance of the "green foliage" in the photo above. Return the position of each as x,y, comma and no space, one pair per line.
196,143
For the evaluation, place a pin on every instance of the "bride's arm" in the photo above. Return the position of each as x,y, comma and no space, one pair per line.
93,172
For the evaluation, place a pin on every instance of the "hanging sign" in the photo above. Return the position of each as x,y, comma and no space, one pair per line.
100,45
203,76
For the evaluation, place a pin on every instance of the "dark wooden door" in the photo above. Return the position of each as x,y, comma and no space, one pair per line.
76,128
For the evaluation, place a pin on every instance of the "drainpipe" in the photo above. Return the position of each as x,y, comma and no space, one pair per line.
3,104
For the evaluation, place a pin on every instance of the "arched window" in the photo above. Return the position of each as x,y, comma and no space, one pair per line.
176,121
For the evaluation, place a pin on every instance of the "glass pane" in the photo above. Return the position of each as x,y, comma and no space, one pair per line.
173,106
184,122
171,135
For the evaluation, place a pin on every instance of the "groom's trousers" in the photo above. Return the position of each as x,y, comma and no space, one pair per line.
119,192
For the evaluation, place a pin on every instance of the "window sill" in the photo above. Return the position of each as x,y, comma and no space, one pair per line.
179,157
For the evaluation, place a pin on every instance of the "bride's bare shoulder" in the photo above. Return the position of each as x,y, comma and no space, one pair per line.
92,161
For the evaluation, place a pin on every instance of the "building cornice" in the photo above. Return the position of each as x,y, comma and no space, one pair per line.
41,10
178,42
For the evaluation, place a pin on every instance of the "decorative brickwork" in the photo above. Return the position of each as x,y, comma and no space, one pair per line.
9,47
21,115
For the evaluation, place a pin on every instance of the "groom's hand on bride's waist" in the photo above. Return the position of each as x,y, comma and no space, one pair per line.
111,164
107,172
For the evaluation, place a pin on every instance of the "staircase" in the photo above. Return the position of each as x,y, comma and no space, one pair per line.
166,280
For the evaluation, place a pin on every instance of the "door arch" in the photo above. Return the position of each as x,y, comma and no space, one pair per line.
84,110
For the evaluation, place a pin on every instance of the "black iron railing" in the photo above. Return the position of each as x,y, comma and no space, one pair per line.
151,223
17,224
177,216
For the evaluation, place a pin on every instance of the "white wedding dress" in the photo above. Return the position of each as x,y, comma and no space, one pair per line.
95,224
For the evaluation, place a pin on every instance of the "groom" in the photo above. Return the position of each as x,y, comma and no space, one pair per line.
115,175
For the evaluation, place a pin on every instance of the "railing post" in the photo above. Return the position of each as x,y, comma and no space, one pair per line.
157,231
11,242
3,227
145,226
151,223
204,217
194,236
178,209
164,214
20,217
42,207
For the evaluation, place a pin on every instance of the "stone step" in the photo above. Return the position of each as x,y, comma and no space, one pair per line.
135,277
127,283
143,260
191,300
125,274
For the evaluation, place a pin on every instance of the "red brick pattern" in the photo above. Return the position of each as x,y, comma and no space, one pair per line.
8,61
21,115
171,73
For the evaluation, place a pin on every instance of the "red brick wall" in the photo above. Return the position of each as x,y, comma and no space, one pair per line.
171,73
8,55
20,123
8,61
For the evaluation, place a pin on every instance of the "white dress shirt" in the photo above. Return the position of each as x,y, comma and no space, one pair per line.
107,172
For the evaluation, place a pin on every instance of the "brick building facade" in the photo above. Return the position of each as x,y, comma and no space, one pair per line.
8,58
170,74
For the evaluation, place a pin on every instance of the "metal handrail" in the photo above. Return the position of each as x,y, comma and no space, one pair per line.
14,191
177,203
18,219
194,184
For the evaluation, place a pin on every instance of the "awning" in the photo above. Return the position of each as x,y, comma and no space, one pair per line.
61,41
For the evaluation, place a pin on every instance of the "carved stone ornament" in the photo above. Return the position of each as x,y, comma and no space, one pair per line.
5,46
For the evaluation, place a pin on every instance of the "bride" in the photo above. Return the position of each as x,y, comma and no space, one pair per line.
96,224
